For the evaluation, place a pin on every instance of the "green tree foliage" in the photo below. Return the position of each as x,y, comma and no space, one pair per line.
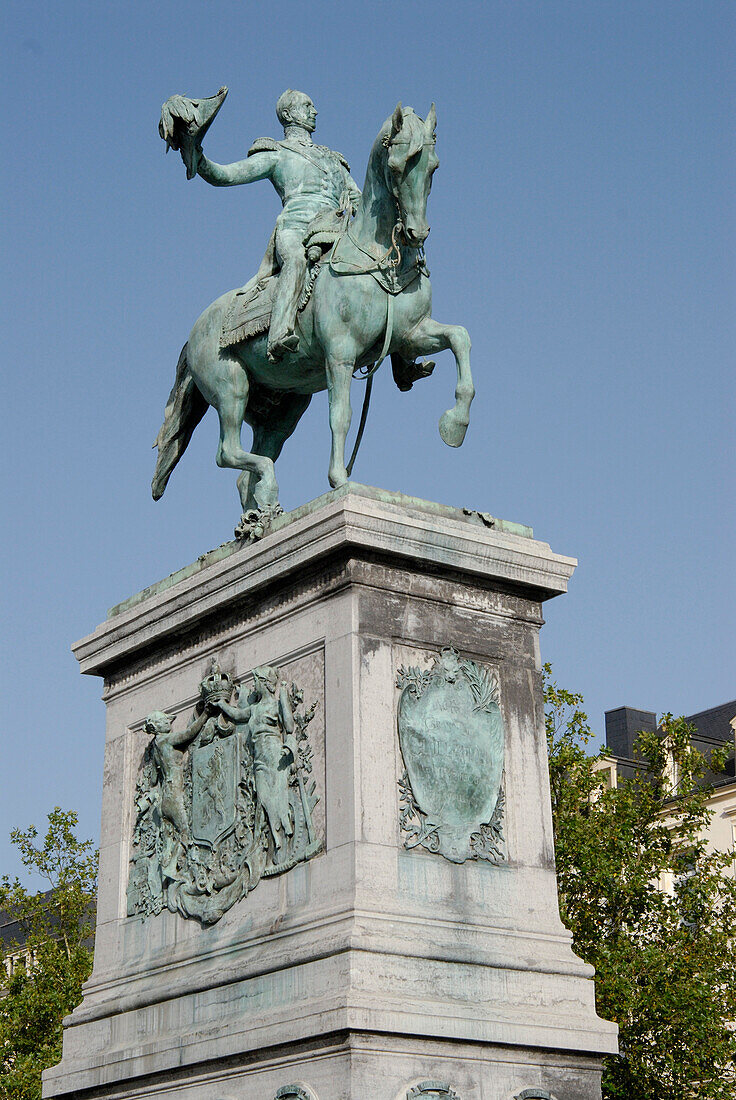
58,927
648,906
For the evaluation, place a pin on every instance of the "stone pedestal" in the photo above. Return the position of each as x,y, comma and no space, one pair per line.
371,971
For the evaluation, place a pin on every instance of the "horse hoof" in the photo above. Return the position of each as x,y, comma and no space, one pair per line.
336,480
452,428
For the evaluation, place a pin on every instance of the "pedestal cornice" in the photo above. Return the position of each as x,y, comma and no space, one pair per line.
356,520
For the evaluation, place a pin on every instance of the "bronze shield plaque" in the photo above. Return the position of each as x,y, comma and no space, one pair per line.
451,734
215,789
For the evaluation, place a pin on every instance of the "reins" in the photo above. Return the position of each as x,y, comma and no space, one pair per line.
390,259
387,263
368,379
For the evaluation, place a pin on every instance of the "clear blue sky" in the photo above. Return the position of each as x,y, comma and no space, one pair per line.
582,230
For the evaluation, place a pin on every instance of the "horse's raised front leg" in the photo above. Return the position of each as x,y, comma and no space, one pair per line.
339,376
428,338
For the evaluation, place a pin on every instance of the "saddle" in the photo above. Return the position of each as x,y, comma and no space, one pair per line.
249,314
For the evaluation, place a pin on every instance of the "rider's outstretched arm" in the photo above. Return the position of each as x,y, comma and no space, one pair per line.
259,166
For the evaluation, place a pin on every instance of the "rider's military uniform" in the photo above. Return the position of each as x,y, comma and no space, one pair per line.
311,180
322,180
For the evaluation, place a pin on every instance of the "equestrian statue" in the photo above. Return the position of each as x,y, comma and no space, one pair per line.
343,284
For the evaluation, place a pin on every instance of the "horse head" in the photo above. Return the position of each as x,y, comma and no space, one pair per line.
410,164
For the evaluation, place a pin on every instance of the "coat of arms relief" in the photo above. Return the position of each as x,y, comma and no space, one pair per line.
224,801
451,733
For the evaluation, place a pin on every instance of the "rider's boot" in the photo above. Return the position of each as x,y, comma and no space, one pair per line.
282,337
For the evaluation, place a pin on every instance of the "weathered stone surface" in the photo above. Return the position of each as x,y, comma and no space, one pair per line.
371,968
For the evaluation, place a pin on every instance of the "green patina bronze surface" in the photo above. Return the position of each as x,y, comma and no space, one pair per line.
225,801
342,284
432,1090
451,734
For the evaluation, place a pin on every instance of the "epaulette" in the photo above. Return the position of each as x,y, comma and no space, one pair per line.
263,145
342,160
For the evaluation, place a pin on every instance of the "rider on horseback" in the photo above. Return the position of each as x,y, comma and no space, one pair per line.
310,180
374,298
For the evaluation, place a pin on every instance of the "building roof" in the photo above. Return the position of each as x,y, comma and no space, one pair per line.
712,730
12,932
715,724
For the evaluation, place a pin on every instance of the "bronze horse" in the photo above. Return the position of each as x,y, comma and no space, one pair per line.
371,297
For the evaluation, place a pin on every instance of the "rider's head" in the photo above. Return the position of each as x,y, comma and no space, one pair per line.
296,109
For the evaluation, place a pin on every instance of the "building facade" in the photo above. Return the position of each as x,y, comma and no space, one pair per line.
714,729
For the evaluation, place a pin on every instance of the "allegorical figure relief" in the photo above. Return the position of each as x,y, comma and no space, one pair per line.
271,733
224,800
168,749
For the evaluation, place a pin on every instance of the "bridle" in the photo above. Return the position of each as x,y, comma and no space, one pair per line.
386,265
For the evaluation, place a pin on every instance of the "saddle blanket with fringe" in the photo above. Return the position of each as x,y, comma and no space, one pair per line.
249,313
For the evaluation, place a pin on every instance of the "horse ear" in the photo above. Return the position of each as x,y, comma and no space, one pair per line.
397,120
431,121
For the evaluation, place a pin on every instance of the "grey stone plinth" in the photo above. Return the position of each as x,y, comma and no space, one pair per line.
371,968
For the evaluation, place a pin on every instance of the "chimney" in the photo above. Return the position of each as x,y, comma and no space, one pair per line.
622,727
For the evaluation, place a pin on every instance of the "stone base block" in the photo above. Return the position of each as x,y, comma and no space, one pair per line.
373,1066
398,954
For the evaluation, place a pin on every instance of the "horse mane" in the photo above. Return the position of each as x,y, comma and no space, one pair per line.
395,147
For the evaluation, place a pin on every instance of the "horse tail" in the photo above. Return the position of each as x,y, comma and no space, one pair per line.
184,410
